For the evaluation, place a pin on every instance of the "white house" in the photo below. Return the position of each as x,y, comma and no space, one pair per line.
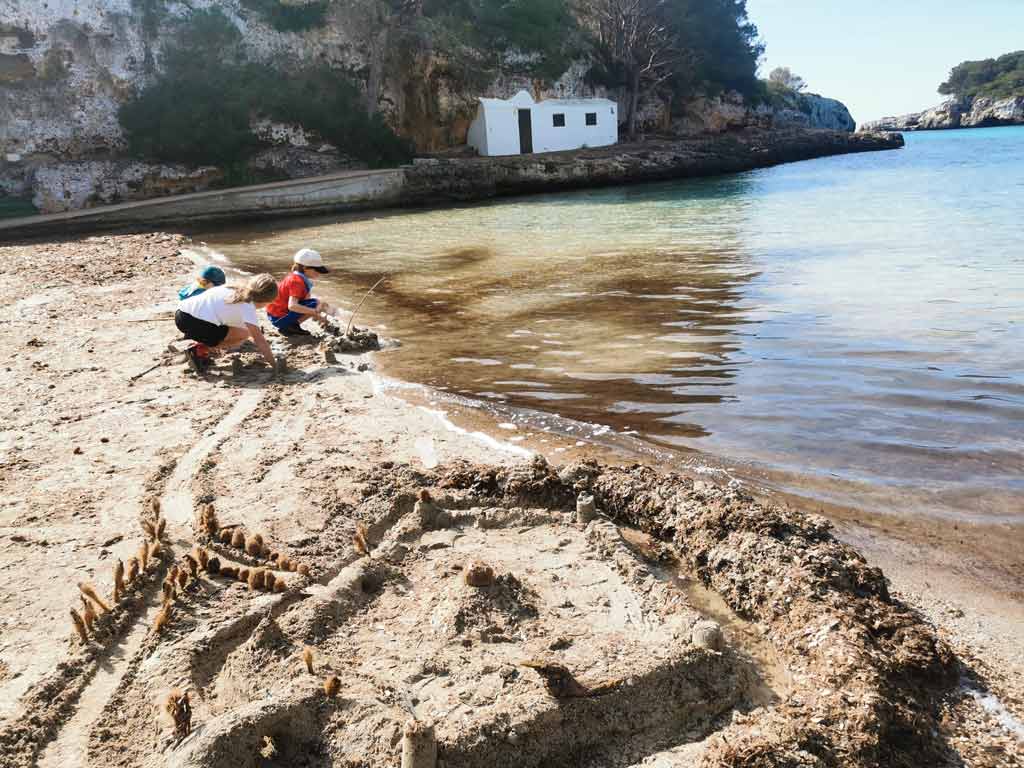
521,125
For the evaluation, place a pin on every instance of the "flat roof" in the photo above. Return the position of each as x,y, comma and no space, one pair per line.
553,102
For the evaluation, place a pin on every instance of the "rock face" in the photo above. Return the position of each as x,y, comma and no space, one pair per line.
462,179
66,67
731,111
979,112
70,186
814,111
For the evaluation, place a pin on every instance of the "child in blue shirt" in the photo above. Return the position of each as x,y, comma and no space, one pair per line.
209,277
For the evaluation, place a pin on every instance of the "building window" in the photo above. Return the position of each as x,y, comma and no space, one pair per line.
591,118
558,120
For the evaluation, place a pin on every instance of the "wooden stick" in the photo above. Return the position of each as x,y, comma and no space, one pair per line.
138,376
353,316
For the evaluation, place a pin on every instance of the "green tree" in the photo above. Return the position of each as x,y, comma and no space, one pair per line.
784,78
197,111
997,78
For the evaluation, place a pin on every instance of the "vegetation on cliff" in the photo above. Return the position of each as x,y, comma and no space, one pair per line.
200,105
994,78
483,34
290,17
685,46
199,109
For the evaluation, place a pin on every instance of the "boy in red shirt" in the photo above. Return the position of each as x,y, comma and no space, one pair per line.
294,304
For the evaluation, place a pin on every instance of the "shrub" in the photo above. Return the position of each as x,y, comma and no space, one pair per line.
997,78
200,109
288,17
324,101
14,207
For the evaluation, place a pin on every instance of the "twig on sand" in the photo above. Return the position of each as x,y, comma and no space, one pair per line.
165,358
360,304
162,319
138,376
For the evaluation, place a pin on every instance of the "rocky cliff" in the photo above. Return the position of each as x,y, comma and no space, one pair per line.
67,65
977,112
731,111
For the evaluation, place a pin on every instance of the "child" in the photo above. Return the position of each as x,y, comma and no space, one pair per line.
209,277
222,318
294,303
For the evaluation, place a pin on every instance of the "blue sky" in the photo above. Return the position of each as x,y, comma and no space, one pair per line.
883,57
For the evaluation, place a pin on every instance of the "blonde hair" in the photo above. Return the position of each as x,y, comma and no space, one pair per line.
260,289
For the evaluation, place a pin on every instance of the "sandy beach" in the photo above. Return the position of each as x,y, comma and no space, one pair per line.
86,450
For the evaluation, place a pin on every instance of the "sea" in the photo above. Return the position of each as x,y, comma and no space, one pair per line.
848,329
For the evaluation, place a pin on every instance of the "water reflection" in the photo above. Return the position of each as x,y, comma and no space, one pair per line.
622,320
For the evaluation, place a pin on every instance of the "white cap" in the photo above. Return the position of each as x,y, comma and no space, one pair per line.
307,257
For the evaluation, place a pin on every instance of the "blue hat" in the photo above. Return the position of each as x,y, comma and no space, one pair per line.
212,274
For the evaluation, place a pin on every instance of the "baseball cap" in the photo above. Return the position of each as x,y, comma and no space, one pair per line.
212,274
307,257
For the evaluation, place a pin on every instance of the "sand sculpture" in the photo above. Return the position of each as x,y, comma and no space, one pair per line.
487,621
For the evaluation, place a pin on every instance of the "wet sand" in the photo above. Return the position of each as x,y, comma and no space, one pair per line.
85,450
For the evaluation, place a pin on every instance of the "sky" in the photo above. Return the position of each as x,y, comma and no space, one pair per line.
883,57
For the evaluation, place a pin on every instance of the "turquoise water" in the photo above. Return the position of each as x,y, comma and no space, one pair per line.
853,325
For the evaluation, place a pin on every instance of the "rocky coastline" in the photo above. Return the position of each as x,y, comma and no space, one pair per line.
66,71
445,180
465,179
966,112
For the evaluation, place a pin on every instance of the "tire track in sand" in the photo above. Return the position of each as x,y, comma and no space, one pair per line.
70,746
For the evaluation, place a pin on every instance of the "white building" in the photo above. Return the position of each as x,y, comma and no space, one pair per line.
521,125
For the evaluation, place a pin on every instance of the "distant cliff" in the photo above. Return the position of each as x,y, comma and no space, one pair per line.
982,94
969,112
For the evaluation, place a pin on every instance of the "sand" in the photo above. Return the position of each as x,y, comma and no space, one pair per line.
305,458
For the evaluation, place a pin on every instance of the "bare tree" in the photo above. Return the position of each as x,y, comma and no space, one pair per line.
638,37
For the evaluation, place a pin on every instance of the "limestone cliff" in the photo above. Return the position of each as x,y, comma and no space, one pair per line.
976,112
67,65
731,111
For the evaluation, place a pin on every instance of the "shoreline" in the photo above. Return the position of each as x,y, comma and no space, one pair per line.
944,566
893,129
86,450
437,182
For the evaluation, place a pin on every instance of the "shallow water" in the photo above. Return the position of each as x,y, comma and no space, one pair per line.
856,321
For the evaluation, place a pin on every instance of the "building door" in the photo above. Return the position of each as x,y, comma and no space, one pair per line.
525,132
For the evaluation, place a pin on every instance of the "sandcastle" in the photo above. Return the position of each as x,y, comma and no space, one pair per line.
488,621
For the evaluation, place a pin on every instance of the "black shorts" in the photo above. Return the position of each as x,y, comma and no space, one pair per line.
199,330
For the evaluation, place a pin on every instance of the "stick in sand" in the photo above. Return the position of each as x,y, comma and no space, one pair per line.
353,316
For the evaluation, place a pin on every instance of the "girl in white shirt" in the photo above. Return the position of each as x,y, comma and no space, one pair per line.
222,318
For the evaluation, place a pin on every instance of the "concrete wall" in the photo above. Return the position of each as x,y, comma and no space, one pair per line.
495,132
352,190
576,133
